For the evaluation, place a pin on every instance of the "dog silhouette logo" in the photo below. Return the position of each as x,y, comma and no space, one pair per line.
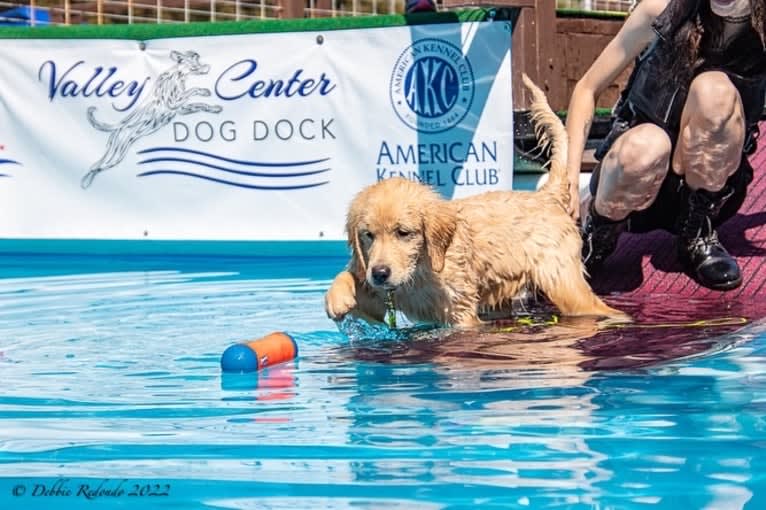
169,97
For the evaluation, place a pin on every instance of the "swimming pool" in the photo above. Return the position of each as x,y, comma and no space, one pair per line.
113,397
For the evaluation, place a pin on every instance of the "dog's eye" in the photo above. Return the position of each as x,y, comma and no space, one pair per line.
367,235
403,233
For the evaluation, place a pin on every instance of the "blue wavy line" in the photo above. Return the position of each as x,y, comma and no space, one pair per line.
239,172
229,160
9,161
230,183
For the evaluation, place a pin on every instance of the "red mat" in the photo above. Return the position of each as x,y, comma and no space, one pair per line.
646,264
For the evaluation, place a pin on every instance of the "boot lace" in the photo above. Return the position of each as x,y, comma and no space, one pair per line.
704,238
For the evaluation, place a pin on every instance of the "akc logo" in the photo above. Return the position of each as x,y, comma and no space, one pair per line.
432,86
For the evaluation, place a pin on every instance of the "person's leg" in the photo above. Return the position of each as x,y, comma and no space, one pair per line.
629,177
708,152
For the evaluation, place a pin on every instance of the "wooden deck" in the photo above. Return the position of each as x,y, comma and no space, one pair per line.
646,264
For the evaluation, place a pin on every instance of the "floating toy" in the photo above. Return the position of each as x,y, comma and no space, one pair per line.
254,355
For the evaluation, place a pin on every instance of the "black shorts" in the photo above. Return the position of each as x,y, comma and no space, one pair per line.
666,208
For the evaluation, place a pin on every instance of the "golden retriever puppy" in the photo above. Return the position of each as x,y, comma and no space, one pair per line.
442,261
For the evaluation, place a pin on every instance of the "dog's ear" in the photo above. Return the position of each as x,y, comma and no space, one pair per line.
357,265
439,226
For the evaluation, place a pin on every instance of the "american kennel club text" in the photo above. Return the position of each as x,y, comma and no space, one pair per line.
440,164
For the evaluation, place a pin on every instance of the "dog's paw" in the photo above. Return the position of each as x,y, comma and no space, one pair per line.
214,109
340,299
204,92
338,304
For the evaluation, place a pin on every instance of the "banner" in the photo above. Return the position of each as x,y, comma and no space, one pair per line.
245,137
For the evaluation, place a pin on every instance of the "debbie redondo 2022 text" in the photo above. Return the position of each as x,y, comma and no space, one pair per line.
91,489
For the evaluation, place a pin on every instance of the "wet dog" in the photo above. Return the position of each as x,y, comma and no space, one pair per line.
445,261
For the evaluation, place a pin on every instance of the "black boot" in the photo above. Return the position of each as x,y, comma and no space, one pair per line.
599,238
699,249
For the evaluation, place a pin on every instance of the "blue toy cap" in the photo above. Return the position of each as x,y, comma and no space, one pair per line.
239,358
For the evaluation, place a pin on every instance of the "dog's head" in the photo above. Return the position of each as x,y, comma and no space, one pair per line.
396,228
189,62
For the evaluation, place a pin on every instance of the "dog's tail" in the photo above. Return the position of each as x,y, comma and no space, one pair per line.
550,131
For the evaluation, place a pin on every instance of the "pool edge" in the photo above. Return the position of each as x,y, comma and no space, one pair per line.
173,247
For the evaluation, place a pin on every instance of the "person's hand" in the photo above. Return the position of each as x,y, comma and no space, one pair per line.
573,208
584,205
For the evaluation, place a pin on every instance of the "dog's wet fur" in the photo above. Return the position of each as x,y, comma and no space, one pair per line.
444,261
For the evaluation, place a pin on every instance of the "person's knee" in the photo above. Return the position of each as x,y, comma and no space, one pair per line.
633,170
715,100
643,151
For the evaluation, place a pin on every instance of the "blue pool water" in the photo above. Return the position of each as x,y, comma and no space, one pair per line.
112,397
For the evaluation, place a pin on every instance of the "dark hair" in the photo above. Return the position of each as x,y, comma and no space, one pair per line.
688,38
686,43
758,19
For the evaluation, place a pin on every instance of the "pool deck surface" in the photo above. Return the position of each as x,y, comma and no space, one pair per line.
646,264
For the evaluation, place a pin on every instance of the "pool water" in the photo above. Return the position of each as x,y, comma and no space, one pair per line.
112,397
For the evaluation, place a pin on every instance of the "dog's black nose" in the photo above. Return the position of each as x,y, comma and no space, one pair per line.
380,274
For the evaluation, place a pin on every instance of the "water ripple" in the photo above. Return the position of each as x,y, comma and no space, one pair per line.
115,375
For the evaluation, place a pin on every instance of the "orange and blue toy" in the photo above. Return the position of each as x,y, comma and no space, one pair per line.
254,355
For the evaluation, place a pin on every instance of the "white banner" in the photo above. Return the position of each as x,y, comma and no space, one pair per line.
245,137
